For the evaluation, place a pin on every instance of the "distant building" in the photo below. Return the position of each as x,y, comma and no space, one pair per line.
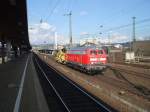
118,46
60,46
89,40
142,47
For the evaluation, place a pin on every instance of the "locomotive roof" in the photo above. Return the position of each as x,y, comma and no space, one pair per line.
86,48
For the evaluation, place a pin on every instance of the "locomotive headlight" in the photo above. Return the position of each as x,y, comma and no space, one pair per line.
93,59
102,59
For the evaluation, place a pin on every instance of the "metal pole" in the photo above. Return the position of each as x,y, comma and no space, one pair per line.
3,49
133,35
70,28
134,29
3,53
8,46
55,45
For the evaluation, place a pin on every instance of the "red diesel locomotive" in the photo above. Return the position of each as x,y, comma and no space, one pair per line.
88,59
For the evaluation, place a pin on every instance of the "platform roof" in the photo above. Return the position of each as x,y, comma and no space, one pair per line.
13,22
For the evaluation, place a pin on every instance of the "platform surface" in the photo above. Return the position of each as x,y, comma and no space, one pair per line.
20,89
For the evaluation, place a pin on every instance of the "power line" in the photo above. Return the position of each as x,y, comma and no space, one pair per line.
71,5
51,12
143,27
127,25
123,12
49,5
68,7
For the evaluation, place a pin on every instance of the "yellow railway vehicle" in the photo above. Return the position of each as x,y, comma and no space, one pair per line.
60,56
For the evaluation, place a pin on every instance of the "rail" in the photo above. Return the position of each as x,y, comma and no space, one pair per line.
72,97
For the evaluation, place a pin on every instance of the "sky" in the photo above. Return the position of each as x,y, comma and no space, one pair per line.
90,19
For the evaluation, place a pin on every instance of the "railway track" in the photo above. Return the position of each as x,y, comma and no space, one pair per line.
135,65
72,97
124,84
142,75
118,84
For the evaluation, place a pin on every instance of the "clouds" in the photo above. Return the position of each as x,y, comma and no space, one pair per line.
46,26
84,33
83,13
43,33
115,38
40,33
118,38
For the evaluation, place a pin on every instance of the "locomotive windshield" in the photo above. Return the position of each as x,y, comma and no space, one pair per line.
93,52
100,52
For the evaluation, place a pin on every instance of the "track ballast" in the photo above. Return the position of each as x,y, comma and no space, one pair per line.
72,97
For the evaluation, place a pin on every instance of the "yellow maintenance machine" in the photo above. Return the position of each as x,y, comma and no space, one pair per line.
60,56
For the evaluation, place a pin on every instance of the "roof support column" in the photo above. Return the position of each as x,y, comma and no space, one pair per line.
15,48
3,51
8,48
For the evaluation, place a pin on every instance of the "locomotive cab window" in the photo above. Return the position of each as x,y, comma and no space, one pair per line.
93,52
100,52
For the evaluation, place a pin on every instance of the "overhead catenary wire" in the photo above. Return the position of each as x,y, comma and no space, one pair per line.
48,7
127,25
123,12
120,27
69,6
52,11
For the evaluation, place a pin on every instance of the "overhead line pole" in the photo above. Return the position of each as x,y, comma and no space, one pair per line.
134,39
70,28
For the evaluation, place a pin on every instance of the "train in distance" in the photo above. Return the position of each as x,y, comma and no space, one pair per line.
89,59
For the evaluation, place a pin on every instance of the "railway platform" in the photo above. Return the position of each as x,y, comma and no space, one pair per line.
20,89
